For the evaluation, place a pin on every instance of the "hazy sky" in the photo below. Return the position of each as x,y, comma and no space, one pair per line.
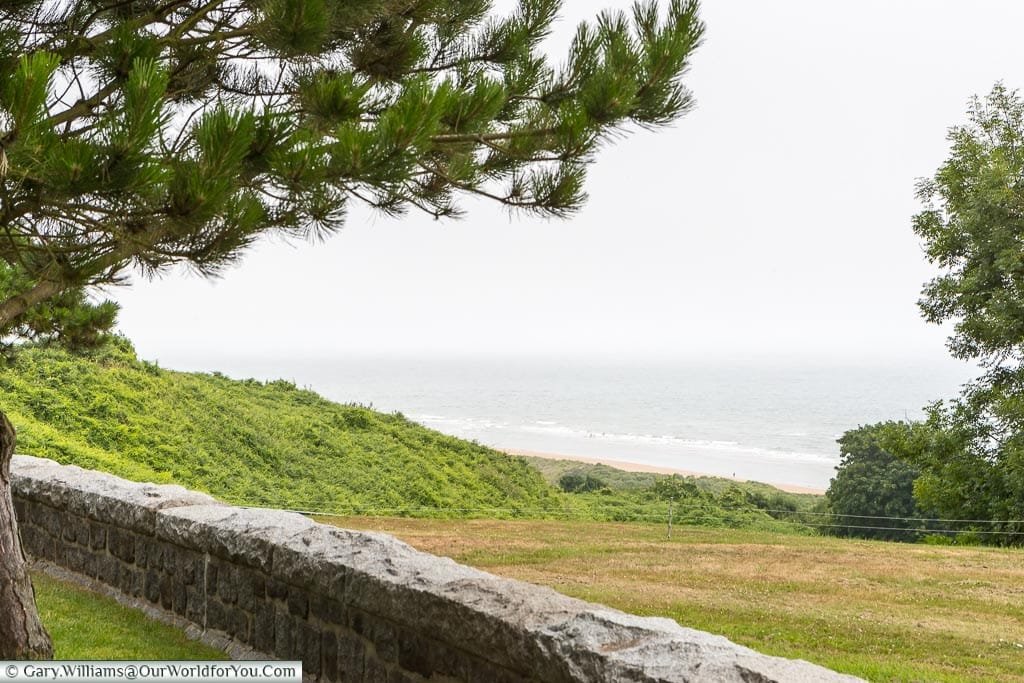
775,218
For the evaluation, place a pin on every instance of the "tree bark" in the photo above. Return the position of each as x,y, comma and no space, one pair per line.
22,635
19,303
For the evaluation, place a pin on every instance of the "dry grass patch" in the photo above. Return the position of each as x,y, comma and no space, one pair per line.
884,611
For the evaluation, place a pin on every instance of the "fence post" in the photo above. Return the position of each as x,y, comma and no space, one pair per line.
670,502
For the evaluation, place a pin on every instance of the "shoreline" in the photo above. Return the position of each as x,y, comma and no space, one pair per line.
627,466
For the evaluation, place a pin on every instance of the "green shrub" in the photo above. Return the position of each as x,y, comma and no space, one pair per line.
937,539
580,482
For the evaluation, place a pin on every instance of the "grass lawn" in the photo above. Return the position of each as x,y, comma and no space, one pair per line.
884,611
85,625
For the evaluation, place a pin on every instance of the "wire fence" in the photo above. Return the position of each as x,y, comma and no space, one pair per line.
654,513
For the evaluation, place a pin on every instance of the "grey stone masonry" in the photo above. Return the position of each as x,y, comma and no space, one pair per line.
352,606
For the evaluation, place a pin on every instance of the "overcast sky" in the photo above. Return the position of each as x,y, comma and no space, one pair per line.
775,218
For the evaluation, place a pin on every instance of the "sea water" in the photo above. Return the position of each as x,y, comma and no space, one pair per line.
772,421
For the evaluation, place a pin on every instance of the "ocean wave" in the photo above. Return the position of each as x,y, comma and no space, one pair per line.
476,427
461,424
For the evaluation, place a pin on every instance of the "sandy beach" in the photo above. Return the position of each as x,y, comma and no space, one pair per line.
640,467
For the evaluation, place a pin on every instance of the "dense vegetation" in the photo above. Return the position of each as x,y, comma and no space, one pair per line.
603,492
872,494
273,444
964,463
622,480
246,441
970,451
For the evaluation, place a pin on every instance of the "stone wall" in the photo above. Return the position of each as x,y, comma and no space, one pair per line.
352,606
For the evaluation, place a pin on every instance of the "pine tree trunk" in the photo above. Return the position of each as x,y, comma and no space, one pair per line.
22,635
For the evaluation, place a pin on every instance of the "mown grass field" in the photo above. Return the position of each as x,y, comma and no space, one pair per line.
883,611
85,625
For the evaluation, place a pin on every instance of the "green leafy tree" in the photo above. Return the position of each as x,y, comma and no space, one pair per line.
971,451
871,485
139,134
675,488
580,482
963,474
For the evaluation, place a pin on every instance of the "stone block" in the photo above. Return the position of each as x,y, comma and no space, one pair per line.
179,598
351,657
190,567
167,585
244,590
415,654
212,573
122,544
329,654
396,675
107,571
227,584
307,647
138,580
32,538
283,634
151,588
195,607
243,536
378,631
81,527
48,517
97,536
216,615
67,532
375,671
298,602
238,623
263,628
329,611
77,559
276,589
483,670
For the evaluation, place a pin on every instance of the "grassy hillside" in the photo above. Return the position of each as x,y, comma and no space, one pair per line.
247,442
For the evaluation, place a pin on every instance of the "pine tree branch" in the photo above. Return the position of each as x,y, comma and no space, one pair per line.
110,190
194,19
10,310
215,36
472,189
453,64
484,138
84,107
56,279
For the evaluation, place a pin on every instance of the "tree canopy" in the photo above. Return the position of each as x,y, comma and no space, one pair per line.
140,134
147,133
972,226
971,451
870,486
